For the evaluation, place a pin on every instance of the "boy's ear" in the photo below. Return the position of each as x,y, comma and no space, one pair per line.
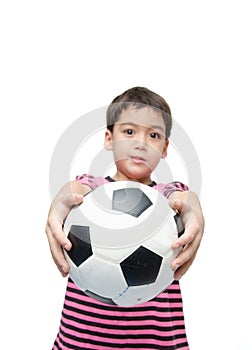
108,140
164,152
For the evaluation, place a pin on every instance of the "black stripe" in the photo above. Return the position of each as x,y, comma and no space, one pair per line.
121,327
125,318
119,346
125,336
137,346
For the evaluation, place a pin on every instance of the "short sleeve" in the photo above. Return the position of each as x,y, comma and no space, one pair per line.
167,189
90,180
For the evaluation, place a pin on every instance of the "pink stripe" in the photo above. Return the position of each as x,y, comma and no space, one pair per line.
101,347
129,332
174,286
80,326
94,338
54,346
122,322
112,313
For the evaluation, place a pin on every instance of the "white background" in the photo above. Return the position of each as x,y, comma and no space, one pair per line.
61,59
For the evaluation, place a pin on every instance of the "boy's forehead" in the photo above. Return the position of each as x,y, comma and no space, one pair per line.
145,116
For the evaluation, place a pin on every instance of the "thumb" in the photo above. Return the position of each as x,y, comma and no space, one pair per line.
176,204
72,199
77,198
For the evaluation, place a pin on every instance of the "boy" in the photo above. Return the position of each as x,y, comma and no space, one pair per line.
138,128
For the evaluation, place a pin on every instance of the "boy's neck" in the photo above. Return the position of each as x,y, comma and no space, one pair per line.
146,181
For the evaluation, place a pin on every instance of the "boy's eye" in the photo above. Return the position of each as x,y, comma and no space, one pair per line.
154,135
129,132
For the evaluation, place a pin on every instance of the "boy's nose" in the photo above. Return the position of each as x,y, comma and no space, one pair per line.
140,143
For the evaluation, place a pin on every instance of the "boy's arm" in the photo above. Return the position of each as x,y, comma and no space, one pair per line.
70,195
187,203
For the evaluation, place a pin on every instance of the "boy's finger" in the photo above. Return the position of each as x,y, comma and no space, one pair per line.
185,255
189,252
187,237
57,254
183,269
54,228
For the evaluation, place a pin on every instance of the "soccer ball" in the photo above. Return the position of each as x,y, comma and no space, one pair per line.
121,239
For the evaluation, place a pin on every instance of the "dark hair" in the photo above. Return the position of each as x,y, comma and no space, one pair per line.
139,97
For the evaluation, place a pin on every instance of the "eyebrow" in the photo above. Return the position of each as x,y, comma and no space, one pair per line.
154,126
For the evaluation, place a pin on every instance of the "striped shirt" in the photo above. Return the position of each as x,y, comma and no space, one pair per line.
87,323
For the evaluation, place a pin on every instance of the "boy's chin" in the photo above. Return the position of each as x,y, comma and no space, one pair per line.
139,176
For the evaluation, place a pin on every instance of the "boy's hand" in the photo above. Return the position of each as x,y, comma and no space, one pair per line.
70,195
187,203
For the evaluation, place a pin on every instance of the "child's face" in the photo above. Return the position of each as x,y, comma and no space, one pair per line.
138,143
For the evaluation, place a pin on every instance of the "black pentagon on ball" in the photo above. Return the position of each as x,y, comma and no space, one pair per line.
131,201
141,267
81,245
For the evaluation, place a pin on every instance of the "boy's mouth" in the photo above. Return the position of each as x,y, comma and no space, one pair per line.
137,159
